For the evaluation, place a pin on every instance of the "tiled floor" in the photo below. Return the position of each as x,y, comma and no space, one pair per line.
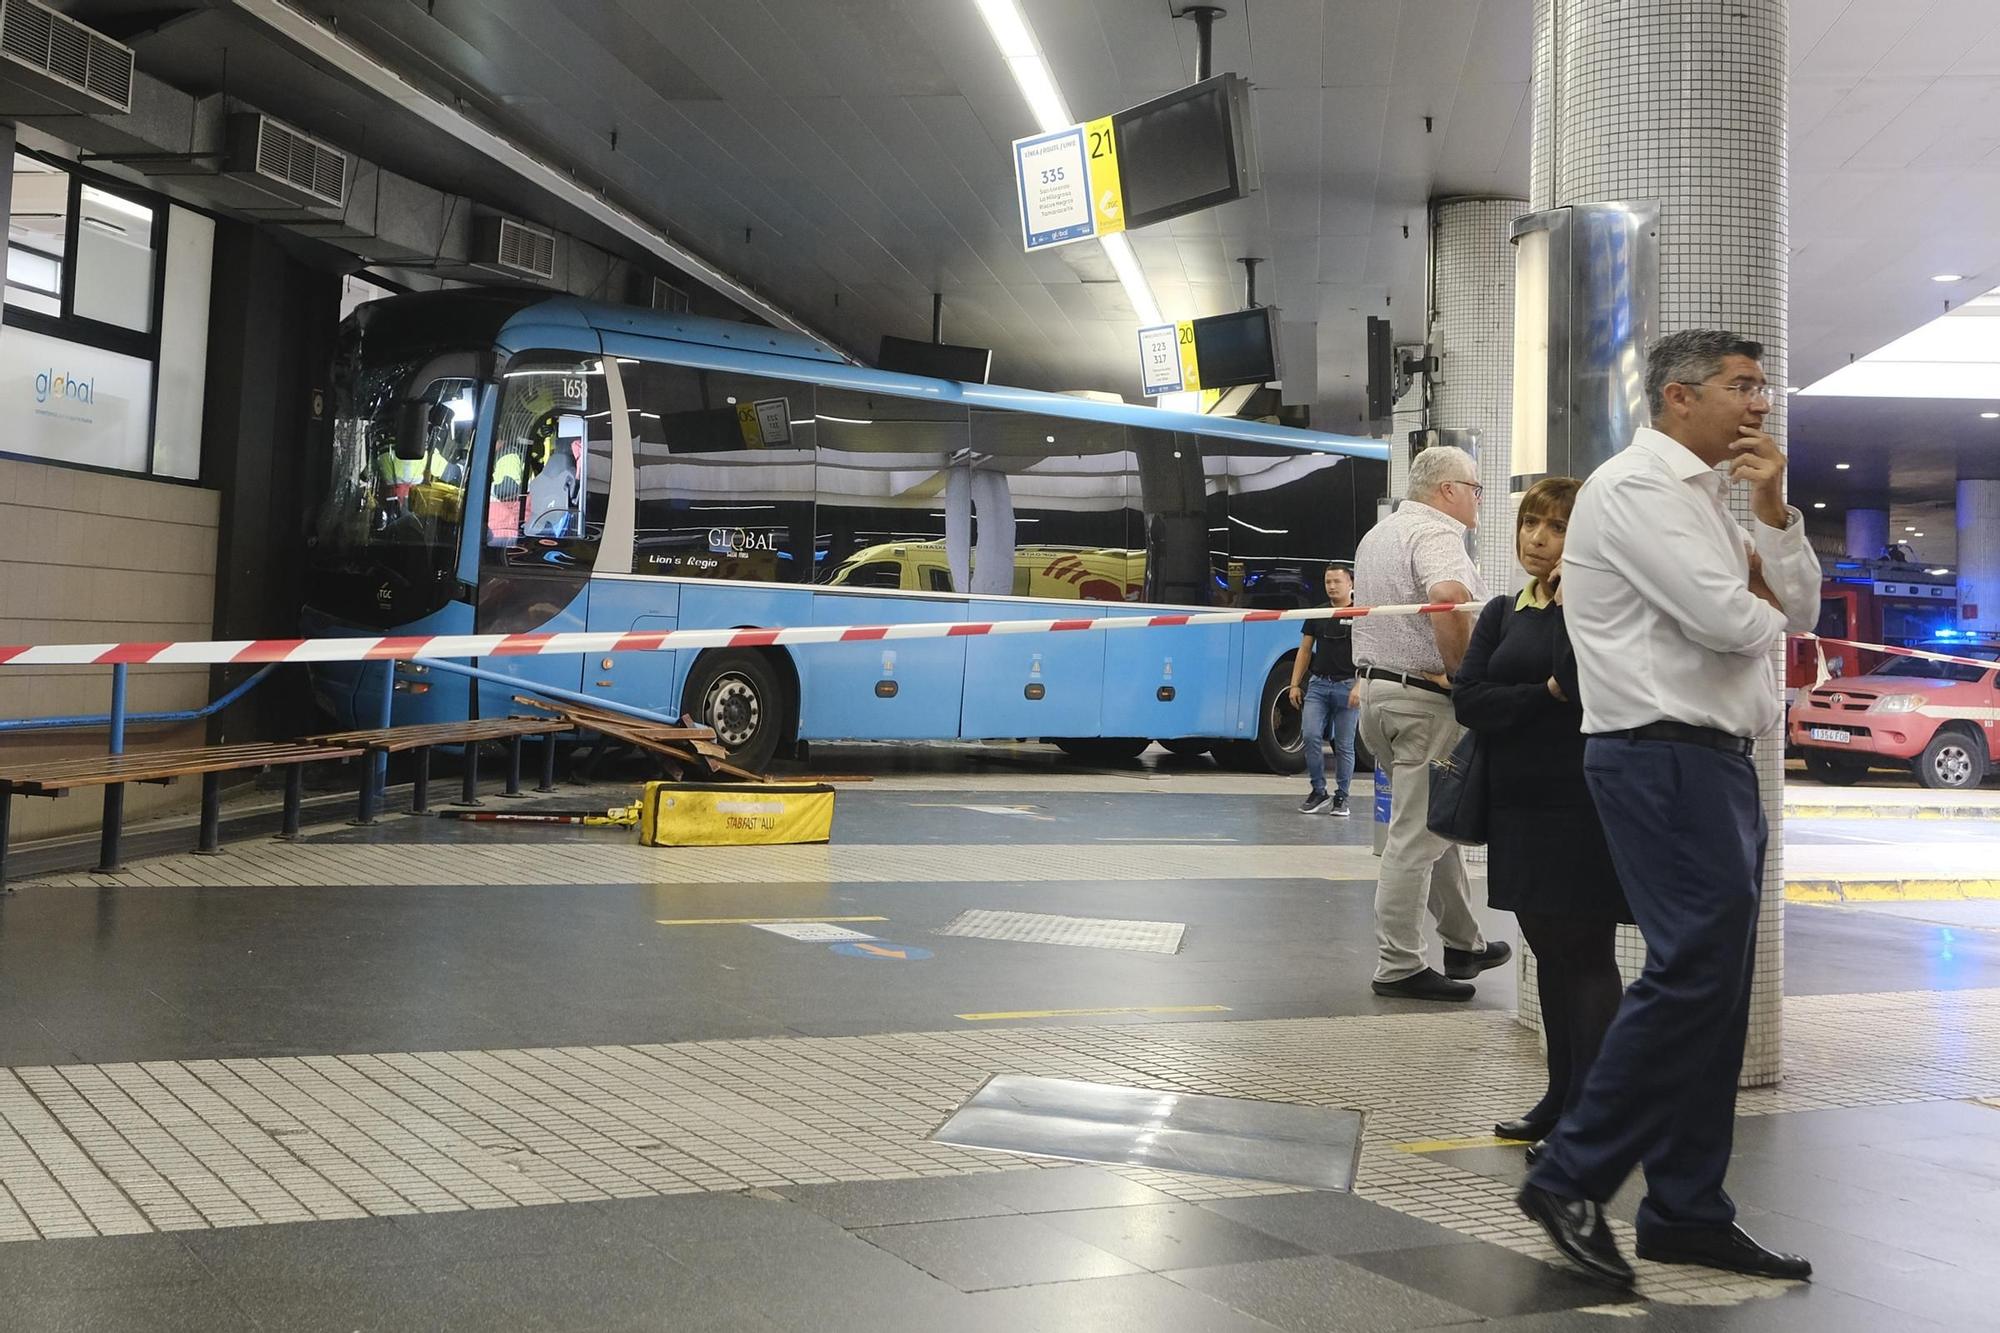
435,1076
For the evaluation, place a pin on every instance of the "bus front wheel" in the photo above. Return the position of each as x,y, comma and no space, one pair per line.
740,696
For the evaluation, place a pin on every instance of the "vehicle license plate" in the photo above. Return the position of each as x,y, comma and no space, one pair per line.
1834,734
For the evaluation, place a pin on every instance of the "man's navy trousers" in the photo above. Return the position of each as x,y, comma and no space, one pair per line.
1686,829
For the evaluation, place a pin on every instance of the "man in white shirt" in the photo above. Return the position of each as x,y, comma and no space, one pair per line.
1672,612
1417,555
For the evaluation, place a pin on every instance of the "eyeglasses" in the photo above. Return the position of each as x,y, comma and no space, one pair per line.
1478,491
1748,392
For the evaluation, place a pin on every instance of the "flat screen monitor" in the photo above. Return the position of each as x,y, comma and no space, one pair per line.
1238,348
944,361
1381,370
1186,151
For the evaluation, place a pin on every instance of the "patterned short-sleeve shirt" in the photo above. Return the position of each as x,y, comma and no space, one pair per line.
1397,563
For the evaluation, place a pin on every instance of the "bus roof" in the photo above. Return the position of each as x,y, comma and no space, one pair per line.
720,344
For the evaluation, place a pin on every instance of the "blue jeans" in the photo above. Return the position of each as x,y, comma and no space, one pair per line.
1325,715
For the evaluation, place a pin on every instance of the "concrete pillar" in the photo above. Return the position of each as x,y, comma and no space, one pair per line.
1472,335
1979,555
1867,533
1684,101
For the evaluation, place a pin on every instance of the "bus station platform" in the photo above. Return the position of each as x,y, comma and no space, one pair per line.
443,1074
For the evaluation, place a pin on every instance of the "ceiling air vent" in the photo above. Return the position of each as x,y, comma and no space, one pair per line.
514,248
288,165
52,65
670,298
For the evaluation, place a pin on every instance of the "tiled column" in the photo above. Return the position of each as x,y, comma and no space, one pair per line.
1684,101
1473,337
1979,555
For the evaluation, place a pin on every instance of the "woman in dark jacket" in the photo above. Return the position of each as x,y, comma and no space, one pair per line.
1546,857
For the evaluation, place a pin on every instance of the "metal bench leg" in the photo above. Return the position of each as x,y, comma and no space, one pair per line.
210,842
420,785
513,767
6,818
468,793
371,792
295,792
548,763
109,844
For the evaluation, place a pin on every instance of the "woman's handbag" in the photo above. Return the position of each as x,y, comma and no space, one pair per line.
1458,793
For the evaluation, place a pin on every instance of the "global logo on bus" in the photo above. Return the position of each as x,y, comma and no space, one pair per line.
53,384
739,540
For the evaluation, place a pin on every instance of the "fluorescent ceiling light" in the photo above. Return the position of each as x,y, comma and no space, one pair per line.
1909,529
1916,534
1017,43
1819,504
1989,416
1956,355
1009,27
1947,277
1937,571
1842,467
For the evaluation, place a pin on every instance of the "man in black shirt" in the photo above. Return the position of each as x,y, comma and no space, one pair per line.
1326,650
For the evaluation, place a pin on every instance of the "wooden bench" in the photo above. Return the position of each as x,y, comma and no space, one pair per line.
686,745
53,777
424,737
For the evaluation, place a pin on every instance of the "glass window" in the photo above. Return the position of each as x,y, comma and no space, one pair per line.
725,472
114,260
883,466
873,574
1277,517
551,476
37,236
1050,501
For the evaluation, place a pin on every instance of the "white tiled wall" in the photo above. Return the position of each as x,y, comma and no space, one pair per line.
1685,101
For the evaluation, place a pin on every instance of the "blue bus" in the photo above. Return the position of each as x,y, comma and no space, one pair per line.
507,462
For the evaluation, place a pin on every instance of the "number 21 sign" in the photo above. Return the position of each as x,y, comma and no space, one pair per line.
1069,186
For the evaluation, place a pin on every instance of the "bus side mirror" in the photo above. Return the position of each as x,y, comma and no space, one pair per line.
413,419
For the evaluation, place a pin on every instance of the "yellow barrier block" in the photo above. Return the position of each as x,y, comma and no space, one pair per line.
695,814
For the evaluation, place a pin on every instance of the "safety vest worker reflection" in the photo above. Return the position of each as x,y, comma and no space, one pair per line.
537,487
395,477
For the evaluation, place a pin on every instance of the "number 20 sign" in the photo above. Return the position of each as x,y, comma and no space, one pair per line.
1069,186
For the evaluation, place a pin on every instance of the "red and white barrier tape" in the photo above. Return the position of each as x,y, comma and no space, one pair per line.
403,647
1819,643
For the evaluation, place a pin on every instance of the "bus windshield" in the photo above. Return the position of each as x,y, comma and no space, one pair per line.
385,537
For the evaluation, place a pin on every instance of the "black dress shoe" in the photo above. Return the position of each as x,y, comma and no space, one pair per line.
1424,985
1729,1248
1464,964
1524,1130
1579,1230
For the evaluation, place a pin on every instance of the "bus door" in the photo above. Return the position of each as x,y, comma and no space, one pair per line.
548,491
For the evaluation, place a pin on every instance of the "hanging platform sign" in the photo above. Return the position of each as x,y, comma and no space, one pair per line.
1068,184
1167,359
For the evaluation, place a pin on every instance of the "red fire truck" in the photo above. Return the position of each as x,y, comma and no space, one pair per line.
1891,600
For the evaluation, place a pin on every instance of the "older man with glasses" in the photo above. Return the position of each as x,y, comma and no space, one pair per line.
1418,555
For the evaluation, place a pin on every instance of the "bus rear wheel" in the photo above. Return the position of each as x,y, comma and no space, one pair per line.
1103,749
740,696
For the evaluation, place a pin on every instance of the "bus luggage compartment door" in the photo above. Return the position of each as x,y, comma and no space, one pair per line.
882,689
1166,682
1033,684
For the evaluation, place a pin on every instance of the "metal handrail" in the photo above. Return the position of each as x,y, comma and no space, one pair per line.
206,711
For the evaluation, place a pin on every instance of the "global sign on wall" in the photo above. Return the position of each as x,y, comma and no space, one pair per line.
69,403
